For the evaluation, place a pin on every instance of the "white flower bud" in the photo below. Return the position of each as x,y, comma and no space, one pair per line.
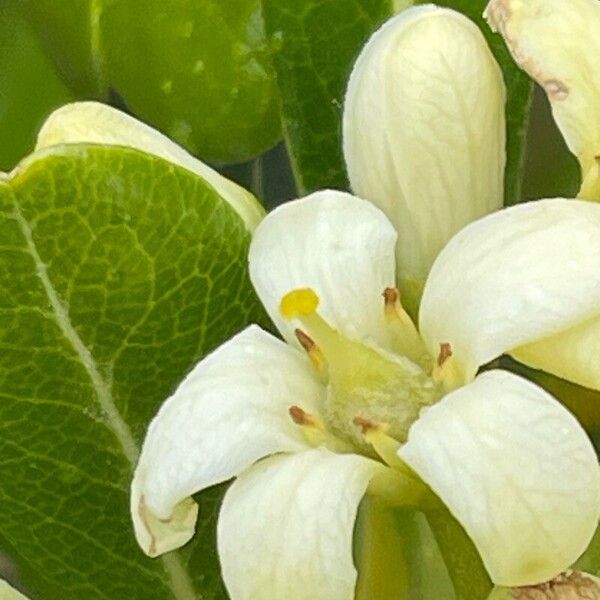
557,42
424,131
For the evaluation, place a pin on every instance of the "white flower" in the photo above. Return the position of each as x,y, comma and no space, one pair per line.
509,461
424,132
558,42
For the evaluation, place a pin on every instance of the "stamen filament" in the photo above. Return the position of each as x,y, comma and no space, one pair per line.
315,432
407,340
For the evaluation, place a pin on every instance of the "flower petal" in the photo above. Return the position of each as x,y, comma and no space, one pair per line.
516,469
230,411
337,244
285,528
96,123
424,130
557,43
572,354
513,278
9,593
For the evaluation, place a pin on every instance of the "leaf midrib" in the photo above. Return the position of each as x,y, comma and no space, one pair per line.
179,579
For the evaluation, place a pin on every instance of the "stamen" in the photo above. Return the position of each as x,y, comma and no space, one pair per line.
313,351
315,432
393,307
386,446
304,419
446,370
444,355
407,339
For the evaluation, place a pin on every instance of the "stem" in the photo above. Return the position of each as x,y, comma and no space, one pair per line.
466,570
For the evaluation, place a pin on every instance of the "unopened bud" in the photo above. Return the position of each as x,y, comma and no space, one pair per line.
557,42
424,131
572,585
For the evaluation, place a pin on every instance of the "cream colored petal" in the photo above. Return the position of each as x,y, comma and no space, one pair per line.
573,355
513,278
285,528
516,469
558,43
9,593
230,411
337,244
96,123
424,131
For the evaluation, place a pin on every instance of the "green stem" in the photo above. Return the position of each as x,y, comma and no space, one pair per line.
466,570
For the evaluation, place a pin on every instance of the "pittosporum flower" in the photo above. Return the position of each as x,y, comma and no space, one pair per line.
558,43
358,401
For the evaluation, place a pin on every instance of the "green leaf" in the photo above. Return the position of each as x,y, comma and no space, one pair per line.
198,70
118,271
315,44
518,100
29,86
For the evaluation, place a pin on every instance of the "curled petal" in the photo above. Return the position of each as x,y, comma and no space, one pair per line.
338,245
557,42
511,279
424,130
96,123
230,411
516,469
285,528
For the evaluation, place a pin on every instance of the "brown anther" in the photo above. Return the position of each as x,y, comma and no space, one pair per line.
305,341
445,354
366,425
391,296
301,417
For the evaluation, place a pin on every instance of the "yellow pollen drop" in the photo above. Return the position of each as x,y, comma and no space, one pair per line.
299,303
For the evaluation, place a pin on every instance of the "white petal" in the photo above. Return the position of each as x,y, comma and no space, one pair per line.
230,411
573,355
513,278
285,528
9,593
95,123
337,244
557,42
424,130
516,469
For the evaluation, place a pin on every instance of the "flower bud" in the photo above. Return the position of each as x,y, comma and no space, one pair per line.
572,585
557,42
424,131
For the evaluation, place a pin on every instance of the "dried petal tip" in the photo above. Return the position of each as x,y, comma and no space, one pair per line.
572,585
557,43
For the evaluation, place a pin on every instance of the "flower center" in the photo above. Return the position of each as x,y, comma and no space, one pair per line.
367,388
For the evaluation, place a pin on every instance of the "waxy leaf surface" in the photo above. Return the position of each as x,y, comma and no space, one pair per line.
118,271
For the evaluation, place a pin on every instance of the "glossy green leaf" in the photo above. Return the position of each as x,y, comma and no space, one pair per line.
518,99
118,271
30,88
198,70
315,43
